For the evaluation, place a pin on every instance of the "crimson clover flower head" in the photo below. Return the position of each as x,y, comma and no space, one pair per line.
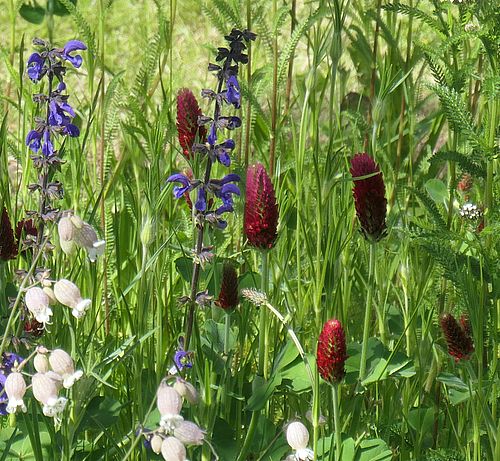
331,352
369,196
188,129
8,243
261,210
458,336
228,296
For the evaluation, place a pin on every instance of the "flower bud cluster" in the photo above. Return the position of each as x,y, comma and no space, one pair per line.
54,370
174,432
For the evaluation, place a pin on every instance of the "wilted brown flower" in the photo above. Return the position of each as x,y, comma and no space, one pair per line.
228,295
369,196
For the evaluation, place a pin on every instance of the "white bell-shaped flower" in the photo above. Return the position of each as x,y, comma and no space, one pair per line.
15,388
37,302
41,363
86,237
62,364
189,433
186,390
169,404
45,390
172,449
297,437
66,231
68,293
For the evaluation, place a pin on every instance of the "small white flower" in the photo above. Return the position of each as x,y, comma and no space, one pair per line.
470,211
45,390
189,433
68,293
156,442
173,450
62,363
15,388
37,303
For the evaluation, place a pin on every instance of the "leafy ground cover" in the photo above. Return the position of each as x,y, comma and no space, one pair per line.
311,272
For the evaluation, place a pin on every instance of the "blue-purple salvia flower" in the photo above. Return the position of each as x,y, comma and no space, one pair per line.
73,45
233,92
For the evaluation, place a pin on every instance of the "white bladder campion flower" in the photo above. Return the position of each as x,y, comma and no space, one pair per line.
186,390
37,302
297,437
169,404
156,443
62,364
189,433
15,388
45,390
41,363
68,294
172,449
74,232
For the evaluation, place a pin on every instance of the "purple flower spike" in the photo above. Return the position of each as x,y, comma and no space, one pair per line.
201,202
233,92
73,45
184,180
33,140
212,136
47,147
35,67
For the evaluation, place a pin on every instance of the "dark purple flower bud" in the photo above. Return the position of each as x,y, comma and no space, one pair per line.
212,135
458,336
61,86
229,123
73,45
228,295
261,210
369,196
233,92
8,244
35,67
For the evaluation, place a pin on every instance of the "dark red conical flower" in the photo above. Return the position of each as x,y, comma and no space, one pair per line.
369,197
458,336
188,111
228,295
261,210
331,354
8,243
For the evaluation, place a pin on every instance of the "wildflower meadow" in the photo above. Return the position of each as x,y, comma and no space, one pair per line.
242,230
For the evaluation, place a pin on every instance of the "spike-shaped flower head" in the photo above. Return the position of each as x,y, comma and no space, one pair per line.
331,352
458,336
8,244
369,196
228,295
188,129
261,209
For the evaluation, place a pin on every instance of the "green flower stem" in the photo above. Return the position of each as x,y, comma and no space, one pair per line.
336,418
263,333
366,325
227,331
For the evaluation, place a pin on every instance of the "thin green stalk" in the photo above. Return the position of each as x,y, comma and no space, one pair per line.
263,333
227,331
366,324
336,418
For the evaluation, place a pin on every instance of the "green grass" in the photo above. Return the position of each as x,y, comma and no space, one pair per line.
425,106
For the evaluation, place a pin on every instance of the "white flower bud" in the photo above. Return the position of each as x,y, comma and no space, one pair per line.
189,433
62,363
41,363
37,303
66,231
68,293
15,388
156,442
168,400
297,435
173,450
321,419
86,237
50,293
187,390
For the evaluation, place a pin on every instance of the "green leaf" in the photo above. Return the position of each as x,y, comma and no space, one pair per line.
373,450
60,9
452,381
262,392
184,266
101,412
32,13
437,190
